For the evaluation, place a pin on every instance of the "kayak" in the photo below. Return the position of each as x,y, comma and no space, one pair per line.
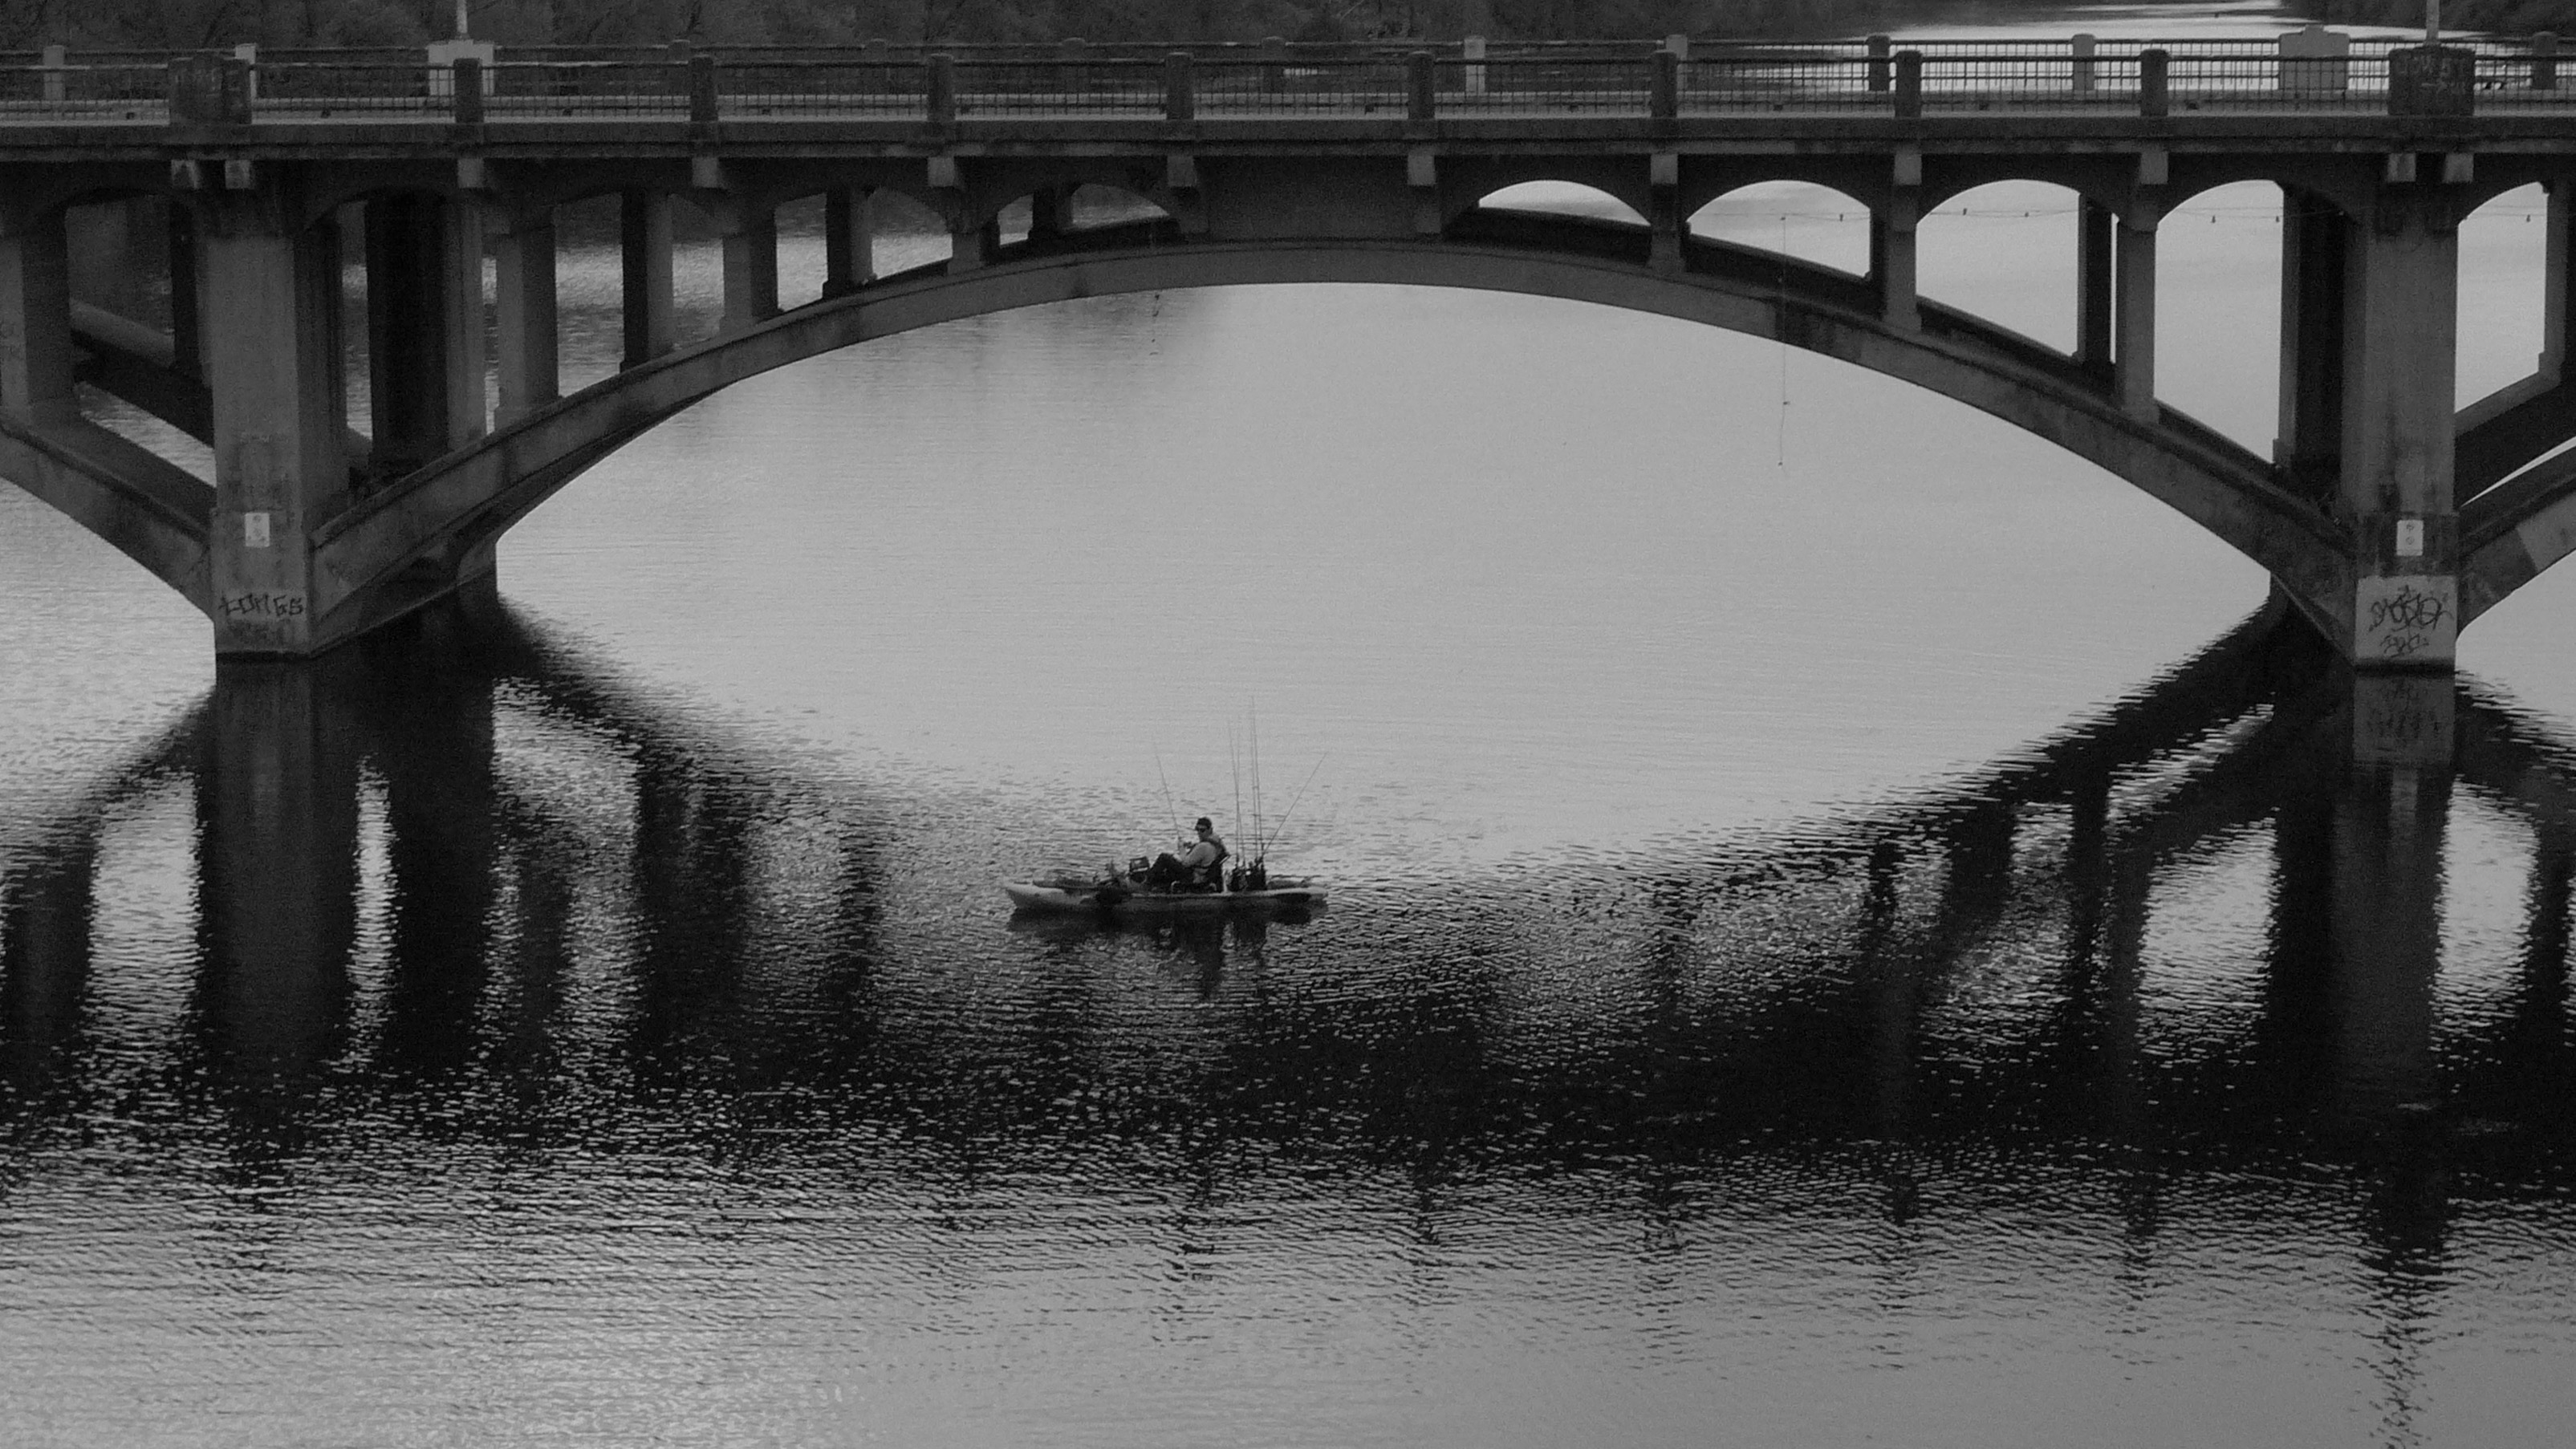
1127,899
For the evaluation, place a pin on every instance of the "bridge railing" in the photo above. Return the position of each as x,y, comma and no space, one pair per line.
609,84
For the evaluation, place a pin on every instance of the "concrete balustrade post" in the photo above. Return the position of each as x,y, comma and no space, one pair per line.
523,266
2079,75
272,317
1878,75
939,87
849,241
56,59
1421,91
644,247
2544,61
1180,87
703,101
2154,76
1664,87
467,105
2133,363
35,321
1909,84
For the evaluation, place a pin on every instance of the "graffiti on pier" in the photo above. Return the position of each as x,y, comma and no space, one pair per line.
2414,619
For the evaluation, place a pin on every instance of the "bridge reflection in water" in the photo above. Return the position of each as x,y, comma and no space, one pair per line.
471,892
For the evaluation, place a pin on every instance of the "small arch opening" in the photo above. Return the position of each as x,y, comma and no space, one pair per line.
2005,251
1798,219
2504,269
1562,198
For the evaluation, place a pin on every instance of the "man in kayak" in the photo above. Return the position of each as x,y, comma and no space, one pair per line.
1196,865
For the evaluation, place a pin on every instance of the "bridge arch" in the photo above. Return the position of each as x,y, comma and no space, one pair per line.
458,506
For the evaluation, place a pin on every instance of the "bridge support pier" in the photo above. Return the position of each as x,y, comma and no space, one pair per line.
644,250
523,265
849,242
2401,337
272,311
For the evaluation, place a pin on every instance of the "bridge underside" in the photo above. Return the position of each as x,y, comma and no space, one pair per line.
316,531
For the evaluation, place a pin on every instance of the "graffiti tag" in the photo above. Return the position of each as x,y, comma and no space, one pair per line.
257,605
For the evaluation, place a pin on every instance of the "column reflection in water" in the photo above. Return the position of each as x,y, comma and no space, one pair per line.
277,867
691,978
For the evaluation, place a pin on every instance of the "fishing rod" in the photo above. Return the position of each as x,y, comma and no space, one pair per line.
1261,842
1168,812
1234,763
1300,795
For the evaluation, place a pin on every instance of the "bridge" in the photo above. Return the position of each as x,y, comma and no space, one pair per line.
2388,517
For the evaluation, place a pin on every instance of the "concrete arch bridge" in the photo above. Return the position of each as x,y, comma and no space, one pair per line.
2388,517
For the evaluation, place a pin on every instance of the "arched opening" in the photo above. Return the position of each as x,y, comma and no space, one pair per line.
1562,198
2504,270
1083,208
1475,465
2005,251
1799,219
135,325
909,233
2218,308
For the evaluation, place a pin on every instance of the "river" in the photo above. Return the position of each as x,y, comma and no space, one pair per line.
1840,931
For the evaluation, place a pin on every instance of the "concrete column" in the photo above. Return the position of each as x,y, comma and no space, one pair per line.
523,265
2555,296
462,352
2133,324
187,337
751,270
849,241
424,328
644,239
2314,243
271,308
1891,257
36,322
971,245
1049,212
2401,339
2093,223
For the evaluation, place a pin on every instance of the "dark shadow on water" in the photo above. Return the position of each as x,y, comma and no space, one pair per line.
465,887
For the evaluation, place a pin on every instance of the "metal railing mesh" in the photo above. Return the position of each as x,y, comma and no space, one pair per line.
748,84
